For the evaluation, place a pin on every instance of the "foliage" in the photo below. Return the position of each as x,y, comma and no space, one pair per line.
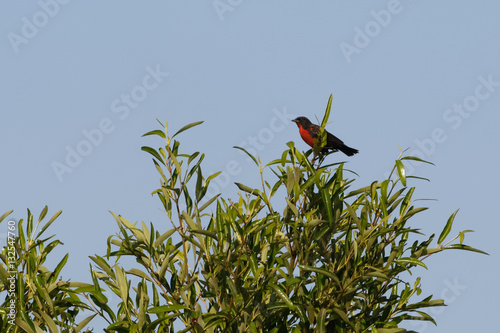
331,261
37,299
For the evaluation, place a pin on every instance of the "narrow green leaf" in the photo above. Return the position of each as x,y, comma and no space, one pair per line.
103,265
198,189
164,265
139,273
160,171
462,235
327,200
391,330
250,155
447,227
176,162
327,112
5,215
50,323
353,215
321,327
123,287
411,261
152,152
283,296
206,233
167,308
342,315
464,247
43,213
163,237
292,207
401,172
84,323
24,322
212,176
310,181
320,271
406,201
206,204
187,127
425,304
247,189
52,219
155,132
416,177
58,268
414,158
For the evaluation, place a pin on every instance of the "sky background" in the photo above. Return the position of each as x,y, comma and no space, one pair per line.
416,74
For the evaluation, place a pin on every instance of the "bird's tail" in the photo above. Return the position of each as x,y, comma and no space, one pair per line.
348,150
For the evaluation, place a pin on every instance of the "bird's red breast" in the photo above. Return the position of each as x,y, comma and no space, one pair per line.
306,135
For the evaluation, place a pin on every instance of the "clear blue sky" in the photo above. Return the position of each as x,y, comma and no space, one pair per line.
89,78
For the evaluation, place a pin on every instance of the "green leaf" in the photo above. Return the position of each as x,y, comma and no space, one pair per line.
411,261
187,127
320,271
50,323
5,215
167,308
250,155
462,235
52,219
153,152
139,273
401,172
319,144
163,237
84,323
463,247
247,189
174,159
43,213
206,204
391,330
123,286
155,132
58,268
414,158
327,112
321,327
283,296
25,323
102,265
327,200
447,228
342,315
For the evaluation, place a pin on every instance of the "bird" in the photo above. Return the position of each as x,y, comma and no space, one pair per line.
309,133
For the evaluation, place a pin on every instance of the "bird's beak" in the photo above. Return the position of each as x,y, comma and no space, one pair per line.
295,120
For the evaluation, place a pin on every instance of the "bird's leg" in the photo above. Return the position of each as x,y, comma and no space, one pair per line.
314,159
320,157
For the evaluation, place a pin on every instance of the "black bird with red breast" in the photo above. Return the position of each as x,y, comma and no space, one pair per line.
309,133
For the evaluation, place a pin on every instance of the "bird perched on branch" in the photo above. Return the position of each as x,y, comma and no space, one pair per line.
310,133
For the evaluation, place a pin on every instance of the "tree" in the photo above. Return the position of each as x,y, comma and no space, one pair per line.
331,261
